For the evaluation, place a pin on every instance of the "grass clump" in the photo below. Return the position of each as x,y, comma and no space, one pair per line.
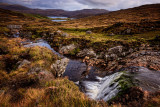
17,61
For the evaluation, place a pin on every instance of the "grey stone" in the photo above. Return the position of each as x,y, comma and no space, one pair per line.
86,52
88,32
60,66
116,50
67,49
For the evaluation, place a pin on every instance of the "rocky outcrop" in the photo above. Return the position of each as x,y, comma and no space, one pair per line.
145,58
67,49
116,53
57,69
59,66
87,52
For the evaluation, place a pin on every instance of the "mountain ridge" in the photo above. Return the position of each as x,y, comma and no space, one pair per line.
54,12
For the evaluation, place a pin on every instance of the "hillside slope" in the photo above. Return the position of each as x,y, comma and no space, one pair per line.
132,15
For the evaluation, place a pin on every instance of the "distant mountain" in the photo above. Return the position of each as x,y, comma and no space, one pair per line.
54,12
13,7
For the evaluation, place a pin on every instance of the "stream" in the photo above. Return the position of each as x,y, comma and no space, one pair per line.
96,85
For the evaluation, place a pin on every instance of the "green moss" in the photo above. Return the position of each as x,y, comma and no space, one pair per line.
75,51
125,82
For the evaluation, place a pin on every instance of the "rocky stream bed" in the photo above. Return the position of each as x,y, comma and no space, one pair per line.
96,83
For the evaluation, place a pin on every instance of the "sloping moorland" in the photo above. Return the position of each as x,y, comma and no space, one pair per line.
113,41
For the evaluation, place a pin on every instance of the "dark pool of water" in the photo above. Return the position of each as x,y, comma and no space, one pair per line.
76,68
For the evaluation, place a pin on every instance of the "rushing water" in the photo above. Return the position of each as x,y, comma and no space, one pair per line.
105,88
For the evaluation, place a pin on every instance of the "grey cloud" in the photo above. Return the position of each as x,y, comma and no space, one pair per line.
81,4
116,4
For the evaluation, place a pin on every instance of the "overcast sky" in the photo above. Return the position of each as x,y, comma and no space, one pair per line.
81,4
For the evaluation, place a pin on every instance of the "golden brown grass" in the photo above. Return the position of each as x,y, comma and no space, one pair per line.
146,12
56,93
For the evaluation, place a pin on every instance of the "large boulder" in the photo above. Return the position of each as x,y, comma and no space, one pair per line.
59,66
67,49
87,52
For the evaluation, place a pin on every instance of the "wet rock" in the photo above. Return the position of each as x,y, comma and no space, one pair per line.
87,52
67,49
59,66
132,84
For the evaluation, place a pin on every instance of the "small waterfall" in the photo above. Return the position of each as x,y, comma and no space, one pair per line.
105,88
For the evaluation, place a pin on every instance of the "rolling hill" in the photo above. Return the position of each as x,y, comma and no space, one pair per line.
132,15
54,12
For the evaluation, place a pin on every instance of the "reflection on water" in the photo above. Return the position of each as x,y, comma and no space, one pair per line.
59,18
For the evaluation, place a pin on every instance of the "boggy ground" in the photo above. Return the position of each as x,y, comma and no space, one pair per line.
107,50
